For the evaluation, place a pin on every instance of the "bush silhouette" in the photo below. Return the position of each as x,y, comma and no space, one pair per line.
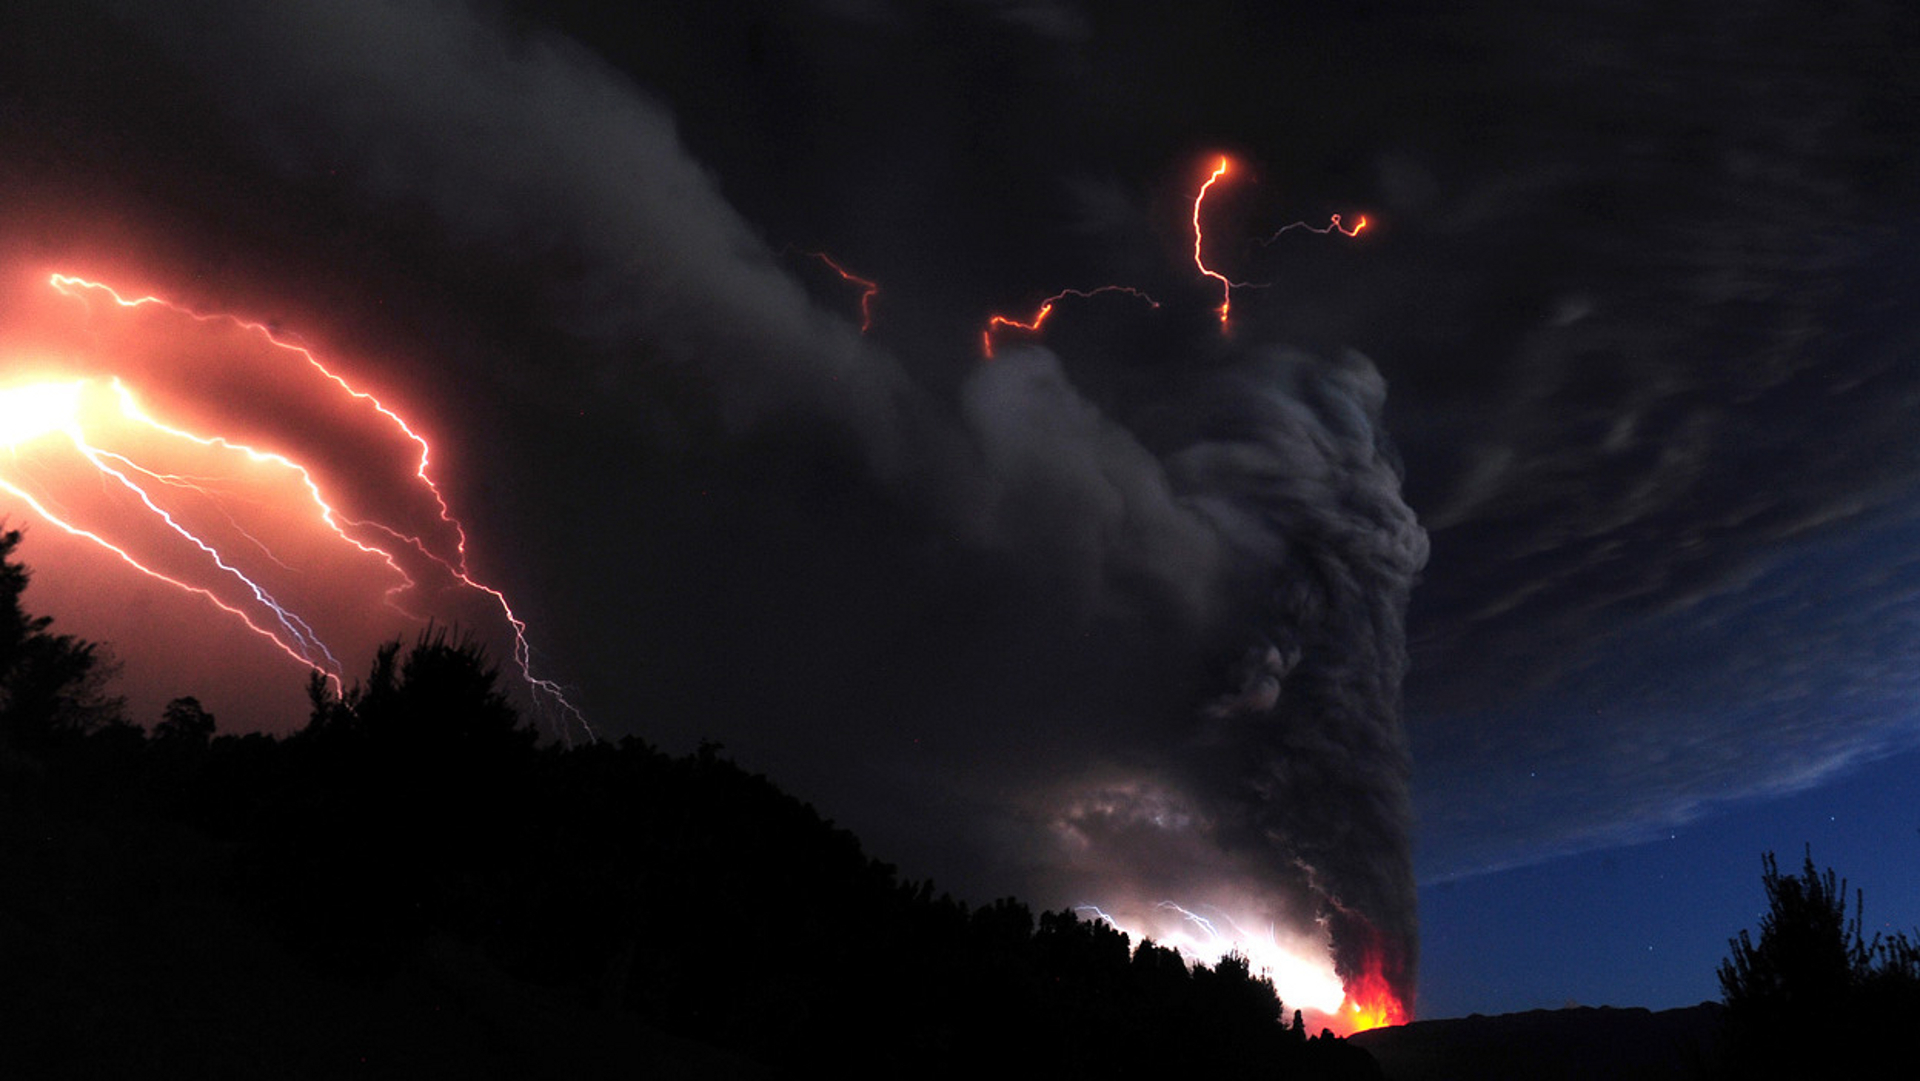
1813,994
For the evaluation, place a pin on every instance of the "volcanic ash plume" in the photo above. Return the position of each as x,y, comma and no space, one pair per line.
1276,809
1287,805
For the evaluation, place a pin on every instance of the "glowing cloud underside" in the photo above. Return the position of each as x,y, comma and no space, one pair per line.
1300,966
210,455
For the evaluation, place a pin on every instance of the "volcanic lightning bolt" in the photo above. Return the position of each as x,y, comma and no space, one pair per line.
1222,166
1033,322
868,289
1220,169
157,479
1333,226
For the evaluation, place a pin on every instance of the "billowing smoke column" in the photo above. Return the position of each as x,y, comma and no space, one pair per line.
1286,806
1269,813
1318,765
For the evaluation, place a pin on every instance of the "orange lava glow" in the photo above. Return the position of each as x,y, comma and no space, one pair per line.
273,490
1033,322
1370,1002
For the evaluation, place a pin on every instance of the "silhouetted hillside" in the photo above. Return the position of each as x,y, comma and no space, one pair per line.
412,886
1580,1044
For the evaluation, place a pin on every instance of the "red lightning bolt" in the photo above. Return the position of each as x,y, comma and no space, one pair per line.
293,635
56,410
1032,323
1220,169
1223,165
868,289
1332,226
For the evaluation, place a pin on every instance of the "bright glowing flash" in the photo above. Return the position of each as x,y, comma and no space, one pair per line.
1302,970
1304,977
27,413
34,413
100,422
1033,322
868,289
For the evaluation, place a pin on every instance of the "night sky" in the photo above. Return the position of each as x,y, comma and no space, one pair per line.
1544,553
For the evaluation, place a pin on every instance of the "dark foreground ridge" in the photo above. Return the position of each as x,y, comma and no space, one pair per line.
1598,1043
1811,995
412,887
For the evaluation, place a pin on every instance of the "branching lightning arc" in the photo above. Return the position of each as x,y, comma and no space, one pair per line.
108,426
1223,166
1333,226
1033,322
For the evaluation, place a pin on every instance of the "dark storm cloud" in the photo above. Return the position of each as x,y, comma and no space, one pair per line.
1689,377
1262,516
529,145
1802,669
1273,809
1321,774
1640,282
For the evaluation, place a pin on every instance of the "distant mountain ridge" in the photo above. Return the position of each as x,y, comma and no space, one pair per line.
1597,1042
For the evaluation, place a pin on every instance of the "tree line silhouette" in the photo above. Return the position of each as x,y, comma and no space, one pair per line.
415,824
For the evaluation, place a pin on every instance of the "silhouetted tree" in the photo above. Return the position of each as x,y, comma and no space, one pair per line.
52,686
185,721
403,795
1813,993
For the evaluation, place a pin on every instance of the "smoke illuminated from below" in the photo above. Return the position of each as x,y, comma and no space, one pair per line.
1300,966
